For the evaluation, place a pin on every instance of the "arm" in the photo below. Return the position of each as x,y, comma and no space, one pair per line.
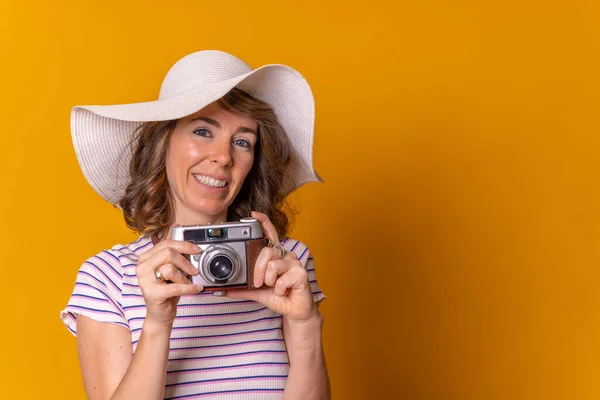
109,369
308,377
285,288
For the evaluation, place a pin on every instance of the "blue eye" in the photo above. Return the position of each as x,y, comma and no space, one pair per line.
201,132
242,143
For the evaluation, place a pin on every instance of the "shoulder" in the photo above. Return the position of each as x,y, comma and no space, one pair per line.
128,253
296,246
110,262
307,261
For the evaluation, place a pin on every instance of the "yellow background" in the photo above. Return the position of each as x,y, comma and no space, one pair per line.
457,235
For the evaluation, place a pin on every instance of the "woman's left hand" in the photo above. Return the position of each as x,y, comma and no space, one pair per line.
283,283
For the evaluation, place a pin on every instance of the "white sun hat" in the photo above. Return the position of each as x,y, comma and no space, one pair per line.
102,135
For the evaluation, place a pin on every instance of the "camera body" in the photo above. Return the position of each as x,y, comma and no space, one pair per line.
229,252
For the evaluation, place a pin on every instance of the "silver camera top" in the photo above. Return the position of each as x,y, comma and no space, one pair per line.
245,229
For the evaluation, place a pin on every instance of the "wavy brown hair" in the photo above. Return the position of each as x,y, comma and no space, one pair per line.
148,202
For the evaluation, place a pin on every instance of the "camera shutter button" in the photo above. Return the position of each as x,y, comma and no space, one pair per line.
247,220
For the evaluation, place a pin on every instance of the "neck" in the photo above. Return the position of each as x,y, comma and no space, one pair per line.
188,217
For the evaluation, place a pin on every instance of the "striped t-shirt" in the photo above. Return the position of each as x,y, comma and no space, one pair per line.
220,348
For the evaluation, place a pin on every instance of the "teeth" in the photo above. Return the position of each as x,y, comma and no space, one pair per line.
210,181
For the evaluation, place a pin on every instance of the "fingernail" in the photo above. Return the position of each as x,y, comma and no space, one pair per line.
199,288
256,282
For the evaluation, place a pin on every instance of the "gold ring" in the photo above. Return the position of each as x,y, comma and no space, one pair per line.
158,275
281,250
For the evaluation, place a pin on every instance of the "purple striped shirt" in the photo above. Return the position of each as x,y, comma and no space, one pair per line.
220,348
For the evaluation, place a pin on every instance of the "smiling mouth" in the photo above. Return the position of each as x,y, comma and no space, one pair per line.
210,182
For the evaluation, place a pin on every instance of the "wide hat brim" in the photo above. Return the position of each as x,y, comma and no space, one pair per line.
102,135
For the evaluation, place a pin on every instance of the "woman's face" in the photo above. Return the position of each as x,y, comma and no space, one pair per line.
209,155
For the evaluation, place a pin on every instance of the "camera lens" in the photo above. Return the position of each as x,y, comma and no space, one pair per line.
219,264
220,267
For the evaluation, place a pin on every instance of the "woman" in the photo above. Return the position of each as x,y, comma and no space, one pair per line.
223,142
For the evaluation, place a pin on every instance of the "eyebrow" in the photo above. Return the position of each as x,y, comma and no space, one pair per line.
241,129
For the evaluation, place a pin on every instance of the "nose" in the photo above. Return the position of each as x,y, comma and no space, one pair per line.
220,153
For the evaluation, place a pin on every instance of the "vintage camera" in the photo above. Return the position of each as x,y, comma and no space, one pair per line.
229,252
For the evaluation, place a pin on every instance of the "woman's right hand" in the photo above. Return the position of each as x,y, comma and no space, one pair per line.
161,298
